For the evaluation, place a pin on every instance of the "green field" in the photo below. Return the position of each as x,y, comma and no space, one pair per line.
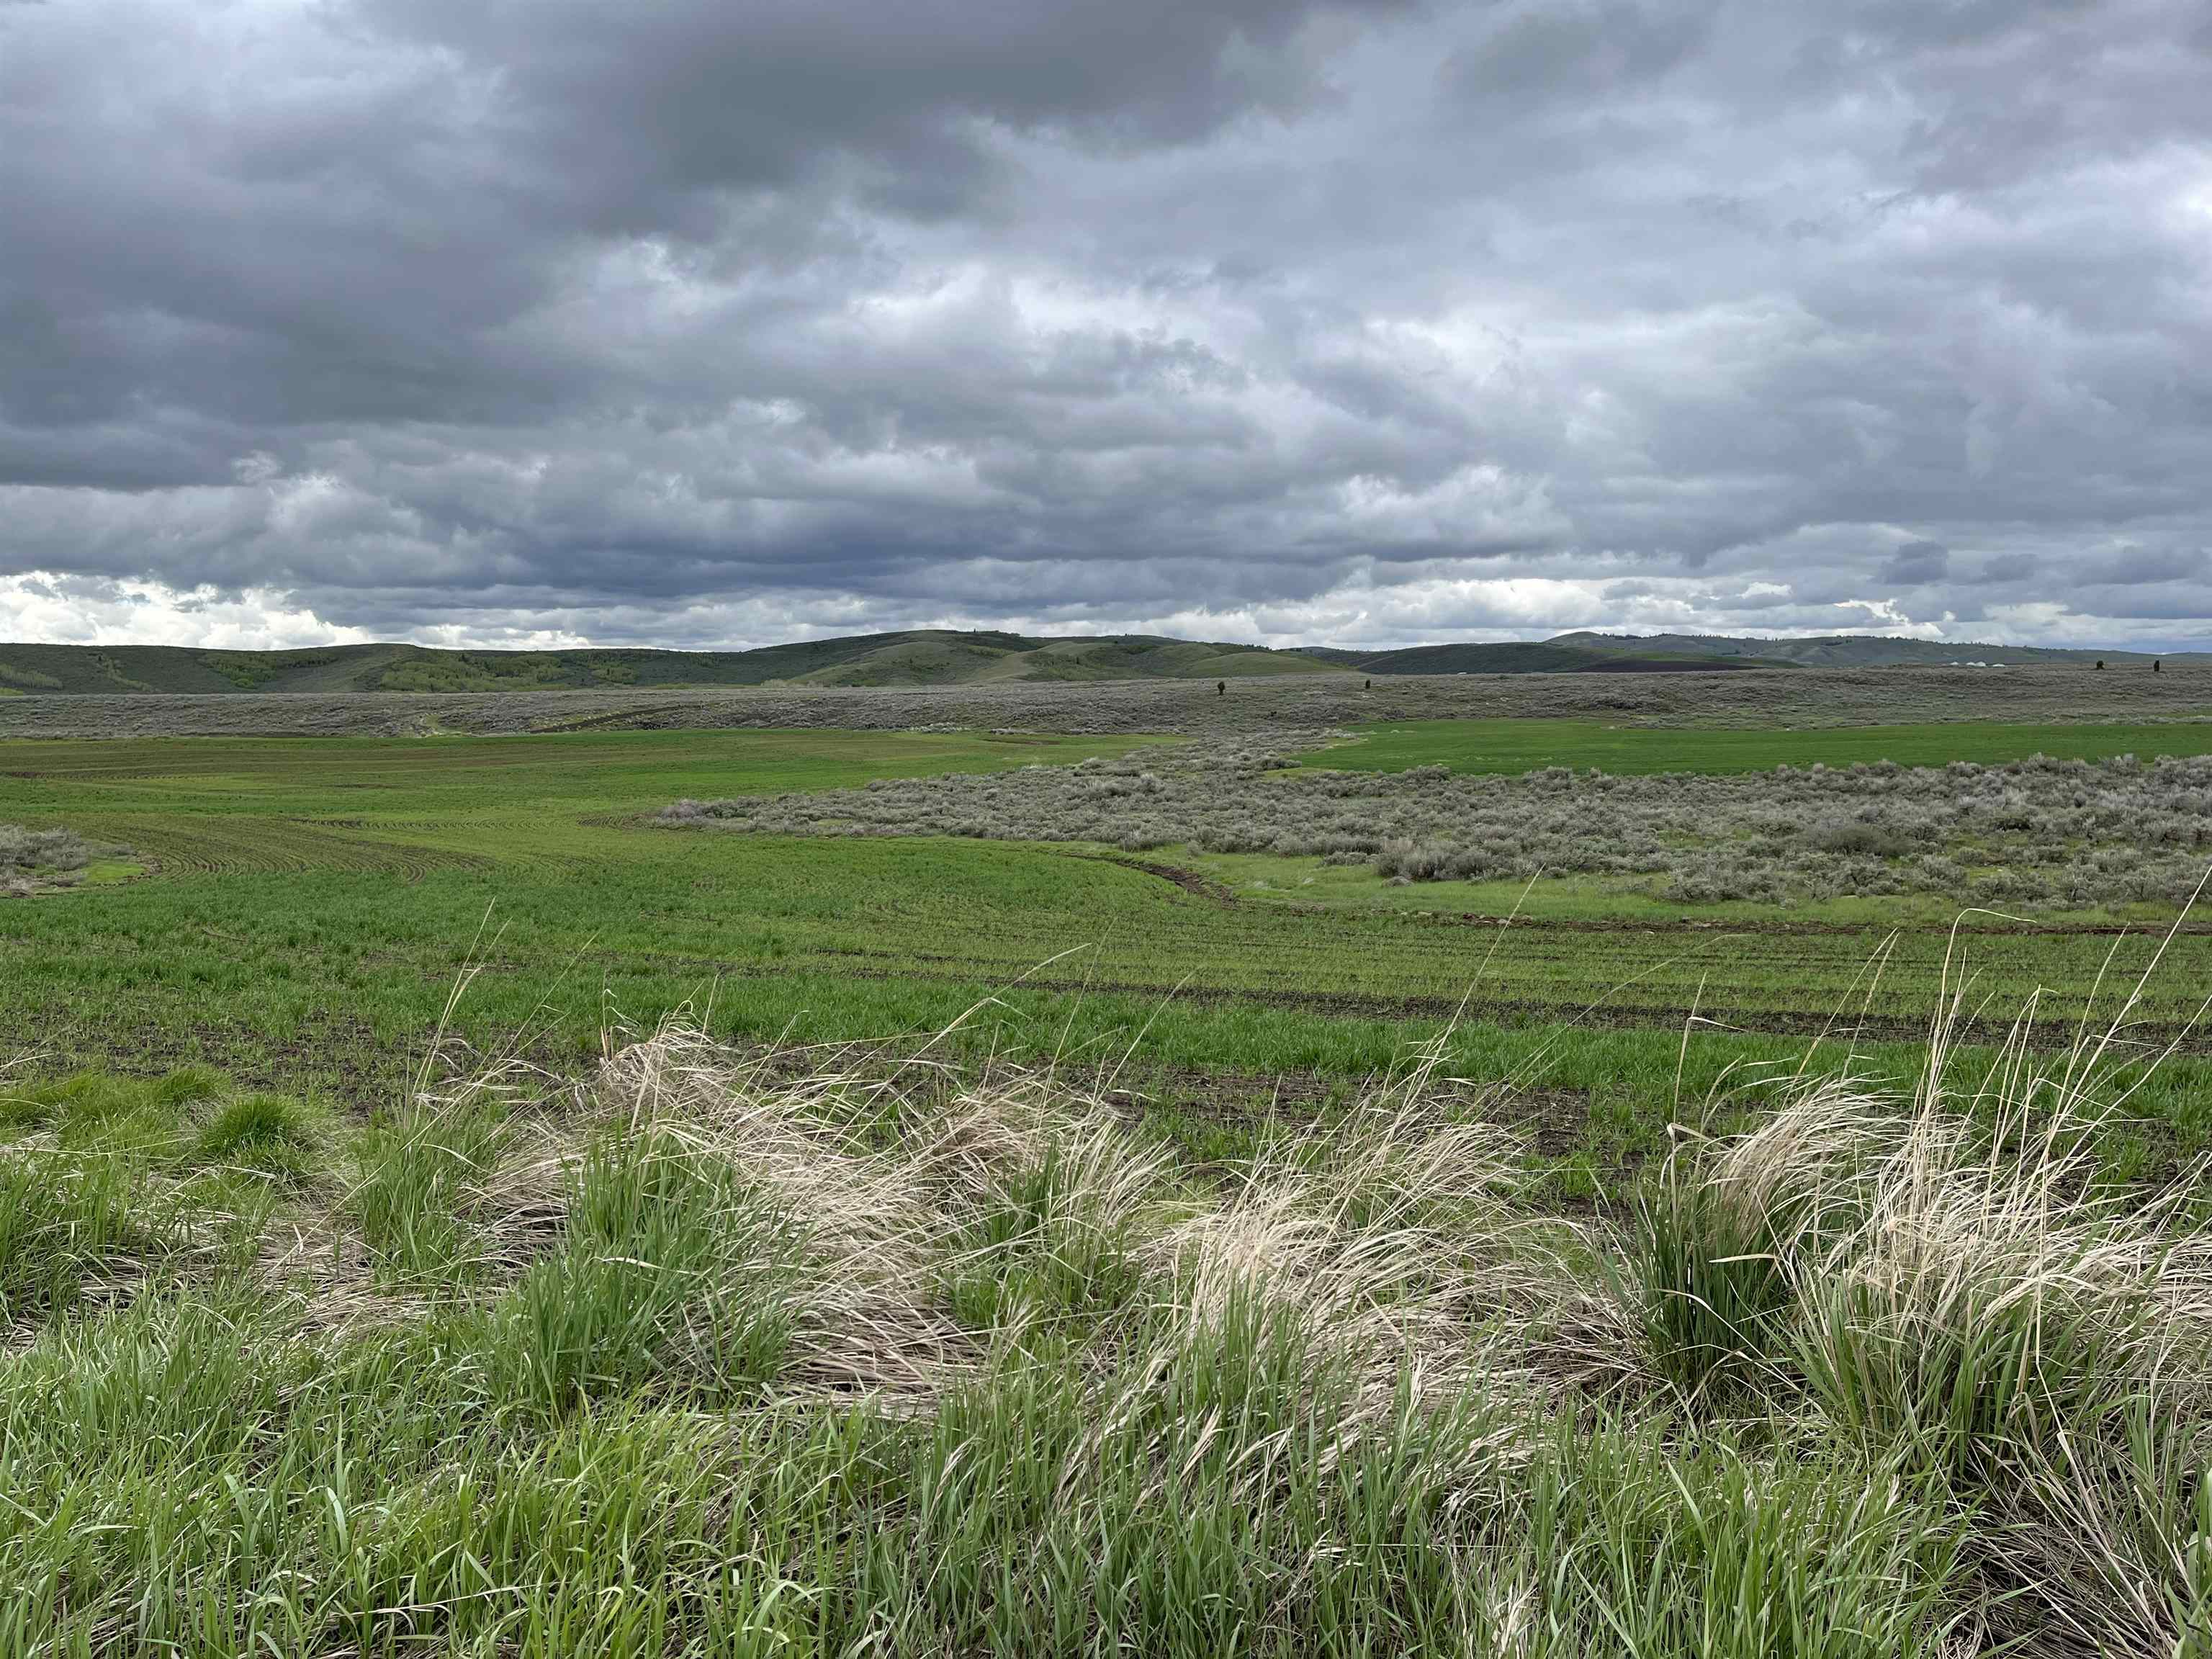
1524,746
1264,1260
312,901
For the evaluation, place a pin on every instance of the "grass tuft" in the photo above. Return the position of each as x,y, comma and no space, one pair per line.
267,1134
418,1179
844,1351
1727,1232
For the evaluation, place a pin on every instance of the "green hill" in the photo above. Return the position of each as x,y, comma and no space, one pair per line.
940,657
912,658
1535,656
1650,654
1839,650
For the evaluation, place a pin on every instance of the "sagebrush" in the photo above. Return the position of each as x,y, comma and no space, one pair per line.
31,859
2039,832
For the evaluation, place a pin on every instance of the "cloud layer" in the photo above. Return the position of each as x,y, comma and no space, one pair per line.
523,321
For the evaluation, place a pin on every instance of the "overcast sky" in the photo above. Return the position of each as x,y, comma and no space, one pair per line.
719,322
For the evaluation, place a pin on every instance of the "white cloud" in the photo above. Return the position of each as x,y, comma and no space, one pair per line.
66,609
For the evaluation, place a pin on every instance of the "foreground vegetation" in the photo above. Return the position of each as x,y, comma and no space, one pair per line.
847,1352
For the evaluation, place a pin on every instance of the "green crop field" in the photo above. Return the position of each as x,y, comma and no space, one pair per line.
1523,745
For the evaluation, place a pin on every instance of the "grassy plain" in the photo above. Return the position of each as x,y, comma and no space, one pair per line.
1175,1303
311,902
1296,702
1525,745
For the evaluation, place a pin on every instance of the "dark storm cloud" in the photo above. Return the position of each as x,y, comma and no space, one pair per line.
1917,564
706,322
2135,567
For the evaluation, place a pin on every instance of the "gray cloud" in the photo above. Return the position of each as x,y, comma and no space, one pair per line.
1916,564
1273,318
2133,567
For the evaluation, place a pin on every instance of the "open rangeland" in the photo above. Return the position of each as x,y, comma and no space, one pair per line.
1771,698
1313,1179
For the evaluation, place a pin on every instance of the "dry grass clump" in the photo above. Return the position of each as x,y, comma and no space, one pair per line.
961,1353
2044,1348
1948,1284
2069,832
858,1350
1023,1203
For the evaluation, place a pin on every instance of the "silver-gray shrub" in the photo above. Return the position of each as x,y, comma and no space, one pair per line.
46,851
2034,831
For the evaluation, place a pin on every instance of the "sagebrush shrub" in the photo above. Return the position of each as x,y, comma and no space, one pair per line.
2038,831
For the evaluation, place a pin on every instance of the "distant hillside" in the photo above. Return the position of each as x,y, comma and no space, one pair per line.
946,659
1558,656
1839,650
1649,653
937,657
913,658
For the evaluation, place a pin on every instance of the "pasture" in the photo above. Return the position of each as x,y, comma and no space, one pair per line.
306,903
947,1194
1527,745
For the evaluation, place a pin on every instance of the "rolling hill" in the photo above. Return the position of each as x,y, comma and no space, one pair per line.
914,658
1839,650
938,657
1647,654
1531,657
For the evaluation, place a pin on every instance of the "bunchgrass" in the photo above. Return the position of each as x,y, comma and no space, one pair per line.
416,1183
1952,1285
65,1217
1726,1229
854,1351
672,1273
269,1135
